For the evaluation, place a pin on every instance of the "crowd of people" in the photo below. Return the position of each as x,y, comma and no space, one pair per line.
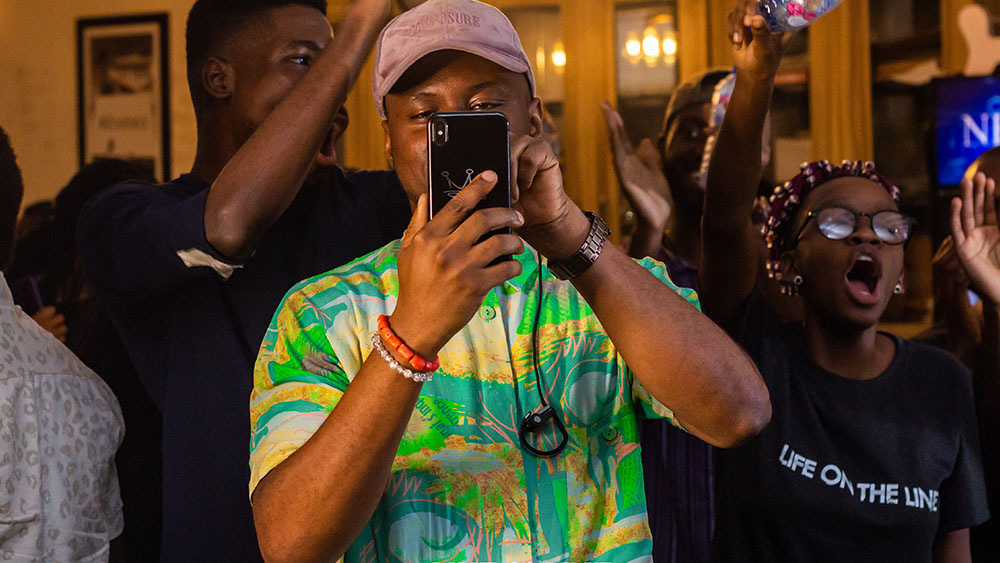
487,384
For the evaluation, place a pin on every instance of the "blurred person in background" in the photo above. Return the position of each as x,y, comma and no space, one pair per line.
60,427
32,217
967,269
46,260
663,182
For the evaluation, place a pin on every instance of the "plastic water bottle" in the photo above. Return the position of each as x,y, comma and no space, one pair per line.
793,15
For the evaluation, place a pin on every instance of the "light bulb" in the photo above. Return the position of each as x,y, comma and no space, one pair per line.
651,46
558,55
670,46
633,47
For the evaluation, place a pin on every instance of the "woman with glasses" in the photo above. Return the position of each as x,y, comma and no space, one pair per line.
872,452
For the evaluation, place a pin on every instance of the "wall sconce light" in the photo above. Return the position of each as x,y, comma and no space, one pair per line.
633,48
559,56
670,47
653,48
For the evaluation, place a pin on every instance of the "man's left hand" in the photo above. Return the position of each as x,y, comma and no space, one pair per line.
553,224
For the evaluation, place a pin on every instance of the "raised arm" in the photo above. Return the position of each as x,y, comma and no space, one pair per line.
680,356
264,176
976,235
729,253
313,505
641,179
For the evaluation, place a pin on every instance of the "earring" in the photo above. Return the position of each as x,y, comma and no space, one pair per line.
791,289
898,289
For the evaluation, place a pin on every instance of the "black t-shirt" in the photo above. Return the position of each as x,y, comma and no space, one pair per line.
192,325
849,470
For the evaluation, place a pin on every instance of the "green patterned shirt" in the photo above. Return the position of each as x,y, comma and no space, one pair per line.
461,487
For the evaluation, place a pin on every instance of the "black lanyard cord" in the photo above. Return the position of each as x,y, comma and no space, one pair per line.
544,413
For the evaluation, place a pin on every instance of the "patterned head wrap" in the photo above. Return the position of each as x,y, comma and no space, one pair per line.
786,200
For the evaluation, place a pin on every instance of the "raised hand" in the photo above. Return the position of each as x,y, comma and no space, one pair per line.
756,50
640,174
977,236
445,272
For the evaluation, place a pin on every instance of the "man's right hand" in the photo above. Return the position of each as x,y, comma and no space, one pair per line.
445,272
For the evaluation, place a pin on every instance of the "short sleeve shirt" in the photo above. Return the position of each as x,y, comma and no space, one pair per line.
849,470
60,427
462,488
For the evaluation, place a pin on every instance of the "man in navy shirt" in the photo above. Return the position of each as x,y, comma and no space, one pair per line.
191,271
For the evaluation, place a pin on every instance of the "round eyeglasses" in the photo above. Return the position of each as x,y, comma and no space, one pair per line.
838,223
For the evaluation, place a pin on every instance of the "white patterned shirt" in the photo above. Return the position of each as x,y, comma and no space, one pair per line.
60,427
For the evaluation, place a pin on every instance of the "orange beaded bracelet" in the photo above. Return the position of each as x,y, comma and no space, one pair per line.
403,350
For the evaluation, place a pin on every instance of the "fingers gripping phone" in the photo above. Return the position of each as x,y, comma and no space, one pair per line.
460,146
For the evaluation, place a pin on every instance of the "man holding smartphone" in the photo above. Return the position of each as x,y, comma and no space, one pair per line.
425,404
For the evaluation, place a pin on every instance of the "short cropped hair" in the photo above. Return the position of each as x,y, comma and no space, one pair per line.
212,23
11,193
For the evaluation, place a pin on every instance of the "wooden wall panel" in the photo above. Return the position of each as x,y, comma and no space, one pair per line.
590,79
693,49
720,47
840,87
953,50
364,142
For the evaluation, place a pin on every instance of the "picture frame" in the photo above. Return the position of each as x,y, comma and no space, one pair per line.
123,83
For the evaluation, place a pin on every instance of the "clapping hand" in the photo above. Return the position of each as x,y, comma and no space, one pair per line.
976,235
640,174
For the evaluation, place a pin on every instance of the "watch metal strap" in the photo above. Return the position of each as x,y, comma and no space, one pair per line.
588,253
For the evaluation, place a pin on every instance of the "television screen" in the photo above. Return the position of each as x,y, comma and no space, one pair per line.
968,124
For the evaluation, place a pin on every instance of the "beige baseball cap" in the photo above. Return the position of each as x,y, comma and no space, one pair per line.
440,25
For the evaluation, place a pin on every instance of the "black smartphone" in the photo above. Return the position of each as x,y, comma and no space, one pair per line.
460,146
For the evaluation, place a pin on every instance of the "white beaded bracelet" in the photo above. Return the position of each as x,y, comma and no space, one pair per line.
419,377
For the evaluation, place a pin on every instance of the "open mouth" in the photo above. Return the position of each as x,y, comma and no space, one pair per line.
863,280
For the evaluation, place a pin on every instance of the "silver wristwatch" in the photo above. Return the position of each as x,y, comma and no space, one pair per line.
588,253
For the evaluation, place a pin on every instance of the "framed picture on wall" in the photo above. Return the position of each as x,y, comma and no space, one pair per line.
123,91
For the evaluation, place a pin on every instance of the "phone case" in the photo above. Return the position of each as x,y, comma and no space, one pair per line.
460,146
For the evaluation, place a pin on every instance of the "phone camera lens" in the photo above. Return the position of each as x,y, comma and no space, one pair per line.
439,129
